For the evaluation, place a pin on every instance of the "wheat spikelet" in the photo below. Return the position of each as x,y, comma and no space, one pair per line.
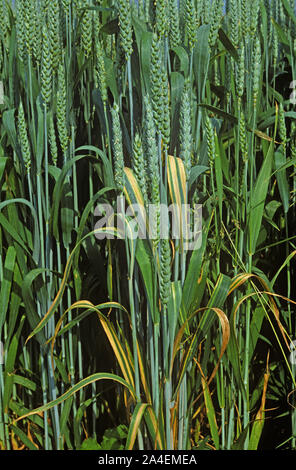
29,11
245,18
185,131
4,24
117,149
234,22
206,11
86,32
165,108
165,271
46,68
125,27
190,23
215,21
62,110
240,74
256,69
162,17
210,141
52,141
156,81
23,136
174,32
151,151
54,33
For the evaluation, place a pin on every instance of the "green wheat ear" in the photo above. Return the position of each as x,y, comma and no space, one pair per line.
20,30
165,107
256,69
46,68
29,26
101,72
190,23
37,46
275,46
240,74
151,151
86,32
174,29
243,147
254,17
162,18
185,131
4,24
216,16
23,135
206,11
61,111
117,149
52,141
245,18
165,271
66,6
54,32
234,22
156,71
125,27
210,141
1,58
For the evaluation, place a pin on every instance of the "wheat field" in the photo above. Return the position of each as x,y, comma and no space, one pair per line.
140,328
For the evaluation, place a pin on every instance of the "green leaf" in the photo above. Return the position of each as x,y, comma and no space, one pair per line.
67,213
111,27
36,248
90,444
135,424
83,383
289,10
65,415
183,58
219,176
193,286
3,161
30,302
24,382
145,49
282,180
227,44
13,232
210,410
24,438
145,260
9,365
281,34
239,444
8,120
201,57
258,198
195,172
6,283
